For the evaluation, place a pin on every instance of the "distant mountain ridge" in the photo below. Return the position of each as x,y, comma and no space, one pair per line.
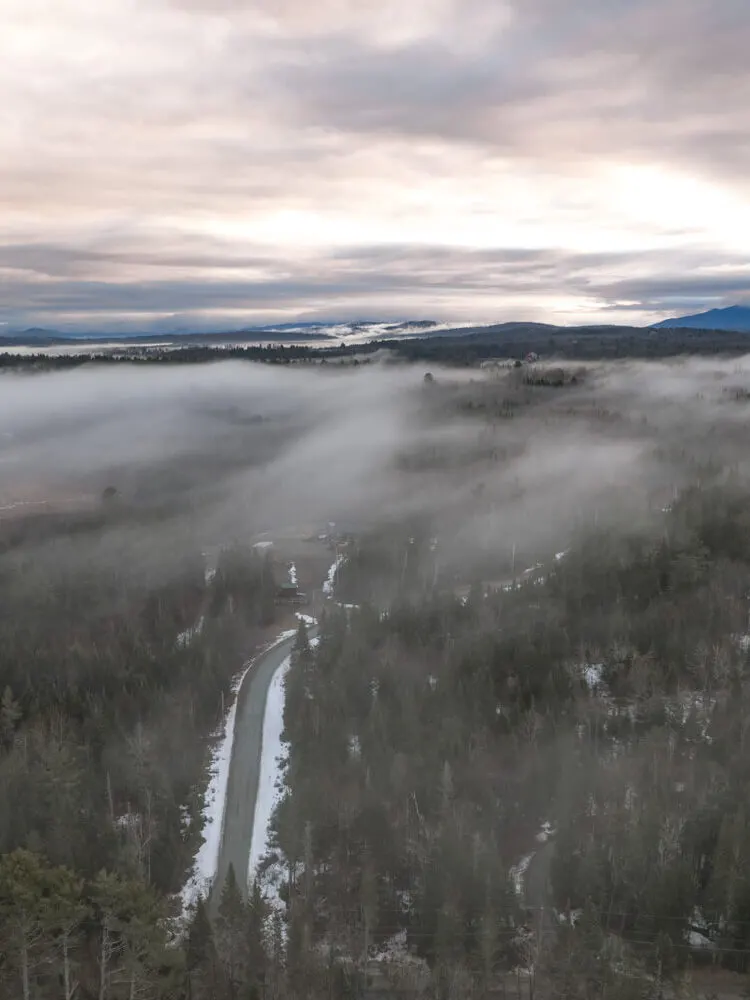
733,318
300,330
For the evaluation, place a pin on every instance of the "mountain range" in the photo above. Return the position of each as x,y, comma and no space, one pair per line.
733,318
281,332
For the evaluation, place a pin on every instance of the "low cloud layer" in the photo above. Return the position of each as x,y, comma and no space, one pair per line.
267,161
232,450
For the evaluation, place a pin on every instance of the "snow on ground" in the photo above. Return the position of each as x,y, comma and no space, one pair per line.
271,756
214,802
546,831
518,871
330,580
293,574
561,555
592,675
697,940
307,619
127,821
395,949
186,637
269,775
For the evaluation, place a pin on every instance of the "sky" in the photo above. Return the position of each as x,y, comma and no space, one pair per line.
216,163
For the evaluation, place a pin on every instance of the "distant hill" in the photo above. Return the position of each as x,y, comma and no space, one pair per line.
170,334
733,318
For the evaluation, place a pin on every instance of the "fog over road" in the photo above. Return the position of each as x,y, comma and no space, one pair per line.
244,769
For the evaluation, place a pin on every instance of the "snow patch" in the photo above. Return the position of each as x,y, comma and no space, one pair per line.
697,940
330,580
518,871
592,675
269,779
214,802
395,949
128,821
186,820
186,637
546,831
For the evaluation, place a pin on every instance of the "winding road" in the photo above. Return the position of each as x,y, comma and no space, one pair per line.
244,778
244,767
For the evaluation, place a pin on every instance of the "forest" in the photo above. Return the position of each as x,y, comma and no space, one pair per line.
514,750
458,348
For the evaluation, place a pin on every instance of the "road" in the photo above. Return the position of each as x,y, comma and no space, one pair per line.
244,767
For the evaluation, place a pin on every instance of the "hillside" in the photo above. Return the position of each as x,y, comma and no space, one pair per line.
733,318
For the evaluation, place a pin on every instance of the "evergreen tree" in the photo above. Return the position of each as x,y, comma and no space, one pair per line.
10,713
231,936
200,955
24,883
256,949
66,911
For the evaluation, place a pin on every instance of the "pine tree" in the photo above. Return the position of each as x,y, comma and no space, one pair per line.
10,713
231,939
132,942
302,653
23,885
257,959
65,913
200,954
199,937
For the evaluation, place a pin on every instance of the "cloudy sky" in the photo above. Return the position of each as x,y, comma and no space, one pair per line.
233,161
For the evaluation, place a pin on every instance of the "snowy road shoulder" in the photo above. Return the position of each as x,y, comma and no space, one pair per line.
270,780
270,768
214,802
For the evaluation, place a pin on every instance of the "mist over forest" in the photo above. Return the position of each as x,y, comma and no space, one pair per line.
514,714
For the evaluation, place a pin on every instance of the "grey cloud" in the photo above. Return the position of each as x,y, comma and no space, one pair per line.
678,290
228,117
341,282
666,81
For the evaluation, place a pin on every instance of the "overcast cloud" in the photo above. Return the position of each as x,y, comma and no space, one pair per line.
452,159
